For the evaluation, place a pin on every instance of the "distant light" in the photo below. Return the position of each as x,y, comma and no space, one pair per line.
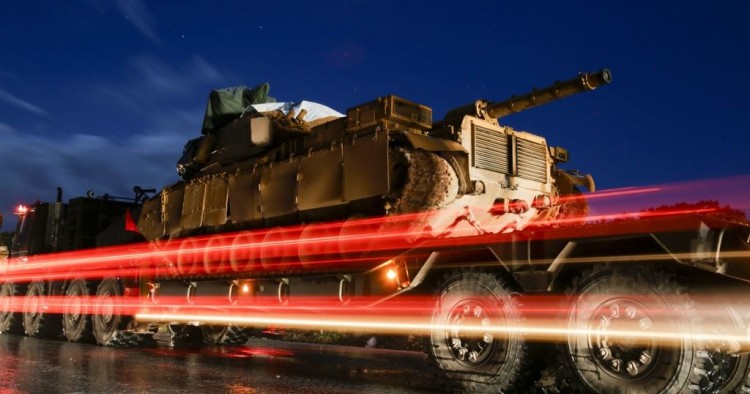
22,210
245,288
391,274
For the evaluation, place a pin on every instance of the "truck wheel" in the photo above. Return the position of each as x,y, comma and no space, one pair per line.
108,321
720,371
10,321
76,322
479,361
609,349
225,335
37,322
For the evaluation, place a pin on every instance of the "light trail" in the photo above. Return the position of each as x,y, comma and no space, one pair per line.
545,332
545,317
208,255
620,192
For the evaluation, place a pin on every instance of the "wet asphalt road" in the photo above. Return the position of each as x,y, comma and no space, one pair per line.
29,365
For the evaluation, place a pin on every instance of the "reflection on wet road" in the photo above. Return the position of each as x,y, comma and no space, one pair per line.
29,365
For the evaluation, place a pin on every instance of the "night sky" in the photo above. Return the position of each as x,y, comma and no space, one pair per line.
103,95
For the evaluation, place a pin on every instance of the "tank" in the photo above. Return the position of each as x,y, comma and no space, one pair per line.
269,165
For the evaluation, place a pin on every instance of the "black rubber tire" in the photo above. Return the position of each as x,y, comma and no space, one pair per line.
615,298
500,361
745,386
723,373
10,322
76,320
108,322
225,335
37,322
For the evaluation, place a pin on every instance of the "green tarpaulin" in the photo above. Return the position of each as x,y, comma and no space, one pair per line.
226,104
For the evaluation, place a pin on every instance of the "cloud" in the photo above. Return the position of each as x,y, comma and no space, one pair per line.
6,74
151,83
142,19
166,102
34,165
6,130
15,101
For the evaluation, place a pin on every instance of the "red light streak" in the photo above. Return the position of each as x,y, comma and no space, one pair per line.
321,247
625,191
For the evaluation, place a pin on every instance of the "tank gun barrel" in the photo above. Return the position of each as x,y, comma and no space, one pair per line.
484,109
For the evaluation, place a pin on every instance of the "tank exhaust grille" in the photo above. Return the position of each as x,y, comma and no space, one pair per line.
491,150
532,160
419,114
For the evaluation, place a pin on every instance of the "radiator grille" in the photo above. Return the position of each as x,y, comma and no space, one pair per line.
494,151
531,160
491,150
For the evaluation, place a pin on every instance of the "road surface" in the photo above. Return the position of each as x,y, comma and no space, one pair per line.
30,365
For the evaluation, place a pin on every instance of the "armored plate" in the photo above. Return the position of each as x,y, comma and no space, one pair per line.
192,205
244,197
321,180
217,190
172,198
278,189
150,222
366,167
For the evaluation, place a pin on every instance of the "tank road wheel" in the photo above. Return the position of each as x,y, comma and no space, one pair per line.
609,347
76,322
225,335
108,321
479,361
37,322
10,321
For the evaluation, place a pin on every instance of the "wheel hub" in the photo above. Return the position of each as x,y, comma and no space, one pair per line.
74,307
33,305
5,303
616,337
107,310
470,347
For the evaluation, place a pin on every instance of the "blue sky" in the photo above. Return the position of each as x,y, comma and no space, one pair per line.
102,95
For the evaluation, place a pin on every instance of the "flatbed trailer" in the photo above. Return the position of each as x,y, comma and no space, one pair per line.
655,300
